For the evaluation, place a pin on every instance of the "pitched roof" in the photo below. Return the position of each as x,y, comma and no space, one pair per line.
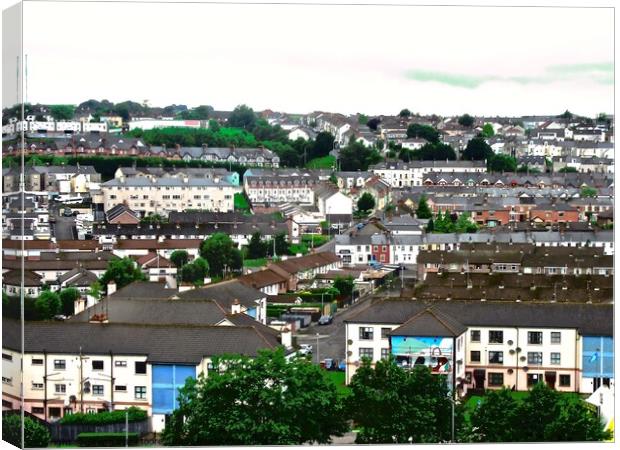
430,322
160,343
589,319
225,293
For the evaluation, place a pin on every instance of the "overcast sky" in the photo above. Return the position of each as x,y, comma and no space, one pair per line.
295,58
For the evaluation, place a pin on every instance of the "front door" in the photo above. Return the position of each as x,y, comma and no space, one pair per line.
479,377
550,379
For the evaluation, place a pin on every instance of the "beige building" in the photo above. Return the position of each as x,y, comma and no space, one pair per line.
166,194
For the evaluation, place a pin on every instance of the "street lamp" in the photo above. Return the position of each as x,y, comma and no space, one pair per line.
318,357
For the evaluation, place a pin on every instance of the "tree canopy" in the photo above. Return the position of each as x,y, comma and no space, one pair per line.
502,163
179,258
62,112
366,202
416,130
478,149
423,211
466,121
221,253
123,272
356,156
36,435
242,117
261,401
544,415
404,113
390,404
487,130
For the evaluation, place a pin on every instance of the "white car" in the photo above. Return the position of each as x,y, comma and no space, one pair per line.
305,349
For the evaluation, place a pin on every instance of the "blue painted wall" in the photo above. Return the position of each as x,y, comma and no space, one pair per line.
598,357
167,379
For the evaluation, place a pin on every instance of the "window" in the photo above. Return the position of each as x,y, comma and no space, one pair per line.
556,337
475,335
384,332
37,385
534,337
366,353
140,392
7,357
97,365
97,389
37,362
37,410
141,367
496,357
496,337
534,378
556,358
54,412
60,388
366,333
60,364
534,358
564,380
120,363
7,380
7,404
496,379
120,388
385,353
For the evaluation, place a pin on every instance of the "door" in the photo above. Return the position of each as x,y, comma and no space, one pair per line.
479,377
550,378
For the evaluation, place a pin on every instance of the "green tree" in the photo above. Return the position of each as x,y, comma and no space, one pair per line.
123,272
344,285
487,130
568,169
261,401
323,144
405,404
373,123
214,126
430,226
47,305
282,247
366,202
477,149
356,156
36,435
501,163
464,224
587,191
496,418
404,113
434,152
416,130
242,117
256,247
62,112
466,121
95,290
179,258
221,253
423,211
68,297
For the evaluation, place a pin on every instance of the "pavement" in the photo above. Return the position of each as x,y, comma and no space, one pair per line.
330,342
64,227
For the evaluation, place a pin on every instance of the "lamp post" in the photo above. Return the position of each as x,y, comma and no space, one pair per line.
318,350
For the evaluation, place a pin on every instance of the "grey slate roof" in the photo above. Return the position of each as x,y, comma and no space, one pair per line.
160,343
589,319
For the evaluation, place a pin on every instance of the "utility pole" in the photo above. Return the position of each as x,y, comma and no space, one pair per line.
318,353
127,427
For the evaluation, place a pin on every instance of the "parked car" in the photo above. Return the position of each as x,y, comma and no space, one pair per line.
325,320
305,349
67,212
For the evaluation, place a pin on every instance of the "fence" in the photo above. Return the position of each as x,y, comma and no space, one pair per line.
68,433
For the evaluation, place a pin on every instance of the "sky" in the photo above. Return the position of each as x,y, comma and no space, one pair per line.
303,58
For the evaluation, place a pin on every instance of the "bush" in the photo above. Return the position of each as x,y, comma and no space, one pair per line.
106,439
103,418
35,434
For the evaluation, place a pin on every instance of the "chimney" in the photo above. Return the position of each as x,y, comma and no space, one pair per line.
111,288
286,337
236,307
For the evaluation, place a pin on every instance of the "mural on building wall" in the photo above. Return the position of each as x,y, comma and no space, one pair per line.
432,351
598,357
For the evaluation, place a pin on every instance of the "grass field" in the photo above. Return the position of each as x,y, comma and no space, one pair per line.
324,162
298,248
255,262
318,239
338,378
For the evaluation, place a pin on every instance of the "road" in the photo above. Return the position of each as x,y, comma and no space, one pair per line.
64,227
331,338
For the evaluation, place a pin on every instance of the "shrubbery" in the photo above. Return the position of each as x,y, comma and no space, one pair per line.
35,434
103,418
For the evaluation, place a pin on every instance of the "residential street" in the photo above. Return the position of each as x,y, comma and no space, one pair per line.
331,338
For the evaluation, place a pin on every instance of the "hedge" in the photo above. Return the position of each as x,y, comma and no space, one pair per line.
106,439
103,418
35,434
